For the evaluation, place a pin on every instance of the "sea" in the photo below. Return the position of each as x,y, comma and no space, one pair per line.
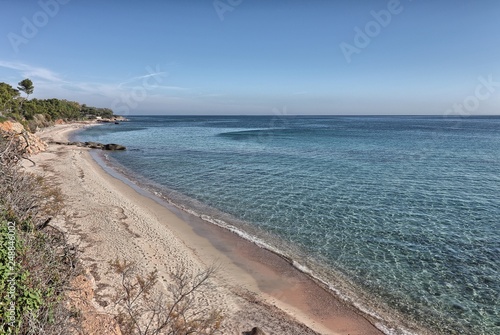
397,215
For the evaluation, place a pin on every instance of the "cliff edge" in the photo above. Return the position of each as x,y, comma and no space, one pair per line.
25,141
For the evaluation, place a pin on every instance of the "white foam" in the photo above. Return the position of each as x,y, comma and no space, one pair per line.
391,331
304,269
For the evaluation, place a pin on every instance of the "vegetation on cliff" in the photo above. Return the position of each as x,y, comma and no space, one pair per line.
42,112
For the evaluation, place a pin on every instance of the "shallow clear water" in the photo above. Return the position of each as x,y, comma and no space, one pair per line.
401,214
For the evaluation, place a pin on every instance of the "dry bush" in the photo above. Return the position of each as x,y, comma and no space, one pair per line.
146,311
45,262
24,196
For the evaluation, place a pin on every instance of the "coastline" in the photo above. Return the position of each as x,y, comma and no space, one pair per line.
254,287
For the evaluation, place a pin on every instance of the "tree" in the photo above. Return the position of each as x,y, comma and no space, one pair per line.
20,108
8,95
26,85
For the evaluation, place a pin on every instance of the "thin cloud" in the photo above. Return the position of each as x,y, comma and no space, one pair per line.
174,88
211,95
51,84
149,75
153,75
29,71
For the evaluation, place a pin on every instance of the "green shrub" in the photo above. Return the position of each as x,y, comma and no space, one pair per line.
19,296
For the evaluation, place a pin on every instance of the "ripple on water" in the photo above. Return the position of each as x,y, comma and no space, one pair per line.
400,212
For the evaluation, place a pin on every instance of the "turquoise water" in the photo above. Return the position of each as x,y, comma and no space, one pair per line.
399,215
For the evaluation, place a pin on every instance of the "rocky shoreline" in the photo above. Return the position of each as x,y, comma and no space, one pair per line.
25,141
92,145
30,143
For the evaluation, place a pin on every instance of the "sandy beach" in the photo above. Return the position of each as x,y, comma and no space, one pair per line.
108,218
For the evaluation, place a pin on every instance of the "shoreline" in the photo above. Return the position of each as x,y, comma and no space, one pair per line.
270,291
202,224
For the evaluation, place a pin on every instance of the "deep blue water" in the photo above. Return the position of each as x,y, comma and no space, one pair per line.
399,214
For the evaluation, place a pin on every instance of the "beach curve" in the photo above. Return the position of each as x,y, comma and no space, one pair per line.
253,287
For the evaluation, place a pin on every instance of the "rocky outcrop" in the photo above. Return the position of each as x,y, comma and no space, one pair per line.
32,144
113,146
93,145
115,119
23,139
256,331
12,127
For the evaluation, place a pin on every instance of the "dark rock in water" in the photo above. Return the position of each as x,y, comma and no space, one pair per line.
94,145
257,331
113,146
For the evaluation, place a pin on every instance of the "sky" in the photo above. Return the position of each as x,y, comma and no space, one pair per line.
245,57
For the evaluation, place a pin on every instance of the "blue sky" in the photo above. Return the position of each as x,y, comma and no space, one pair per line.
258,56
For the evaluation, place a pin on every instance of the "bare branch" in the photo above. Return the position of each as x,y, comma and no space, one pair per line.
146,311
